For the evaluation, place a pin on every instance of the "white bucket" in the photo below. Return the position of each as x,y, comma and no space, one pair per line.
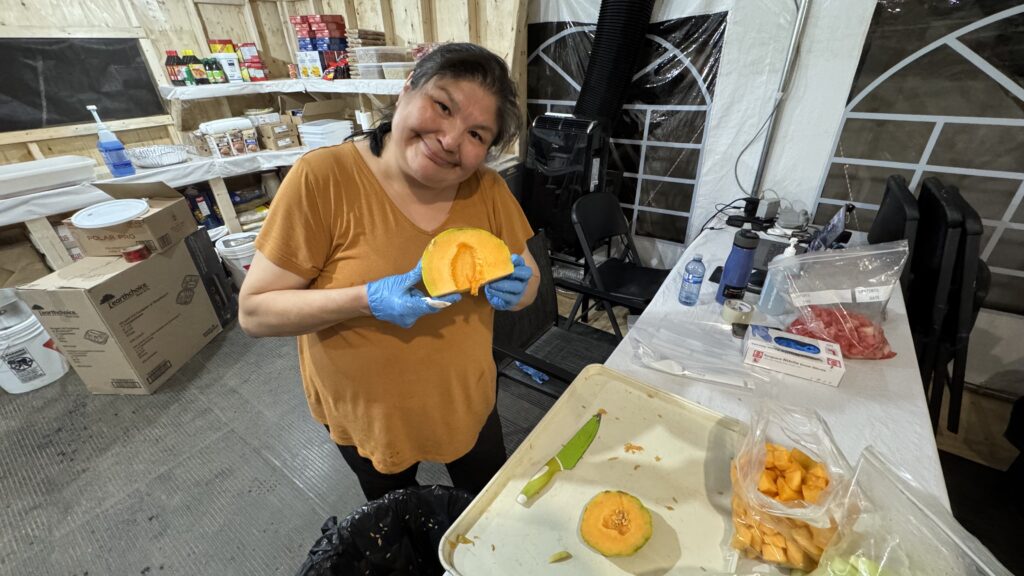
28,358
237,250
12,310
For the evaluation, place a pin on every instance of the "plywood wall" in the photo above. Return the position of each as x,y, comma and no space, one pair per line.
186,24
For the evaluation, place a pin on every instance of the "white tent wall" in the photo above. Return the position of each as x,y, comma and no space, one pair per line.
757,38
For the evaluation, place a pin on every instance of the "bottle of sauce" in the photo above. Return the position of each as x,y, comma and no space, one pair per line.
175,73
195,66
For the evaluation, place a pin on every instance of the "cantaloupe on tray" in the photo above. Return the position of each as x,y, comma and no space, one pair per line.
616,524
464,259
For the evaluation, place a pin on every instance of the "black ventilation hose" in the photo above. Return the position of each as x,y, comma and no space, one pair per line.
621,27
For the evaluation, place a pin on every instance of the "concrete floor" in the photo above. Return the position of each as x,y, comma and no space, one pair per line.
222,471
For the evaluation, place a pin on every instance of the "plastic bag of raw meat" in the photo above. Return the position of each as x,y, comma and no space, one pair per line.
841,295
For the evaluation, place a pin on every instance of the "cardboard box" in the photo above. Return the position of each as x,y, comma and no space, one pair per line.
281,141
275,129
299,108
168,221
211,272
20,263
125,328
310,64
815,360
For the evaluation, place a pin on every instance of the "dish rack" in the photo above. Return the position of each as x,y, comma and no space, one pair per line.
157,155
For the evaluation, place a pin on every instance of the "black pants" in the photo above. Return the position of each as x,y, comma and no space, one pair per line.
471,472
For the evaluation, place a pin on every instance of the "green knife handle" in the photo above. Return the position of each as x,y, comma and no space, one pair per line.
539,481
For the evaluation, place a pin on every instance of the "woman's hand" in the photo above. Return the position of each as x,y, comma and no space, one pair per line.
505,293
393,299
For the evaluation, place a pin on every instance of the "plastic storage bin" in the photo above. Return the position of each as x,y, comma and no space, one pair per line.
370,71
38,175
378,54
397,70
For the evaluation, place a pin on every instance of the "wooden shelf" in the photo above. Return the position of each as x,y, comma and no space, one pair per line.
352,86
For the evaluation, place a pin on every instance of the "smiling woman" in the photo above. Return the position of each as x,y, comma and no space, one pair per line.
394,379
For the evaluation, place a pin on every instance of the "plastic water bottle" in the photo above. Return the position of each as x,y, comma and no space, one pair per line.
736,272
773,301
693,277
111,149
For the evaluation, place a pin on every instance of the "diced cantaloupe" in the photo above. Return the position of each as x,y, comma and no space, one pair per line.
795,554
803,459
777,540
795,477
811,494
773,554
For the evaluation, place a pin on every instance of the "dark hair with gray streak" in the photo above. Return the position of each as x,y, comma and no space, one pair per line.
463,61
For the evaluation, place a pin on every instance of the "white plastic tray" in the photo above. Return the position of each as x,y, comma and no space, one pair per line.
58,172
694,445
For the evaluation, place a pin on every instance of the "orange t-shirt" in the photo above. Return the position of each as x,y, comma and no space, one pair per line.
399,395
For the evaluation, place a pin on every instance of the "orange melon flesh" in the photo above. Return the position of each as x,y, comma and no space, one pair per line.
616,524
464,259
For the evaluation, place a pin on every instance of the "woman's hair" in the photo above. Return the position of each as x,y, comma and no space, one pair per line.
463,61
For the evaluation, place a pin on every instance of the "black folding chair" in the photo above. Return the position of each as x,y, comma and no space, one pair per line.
971,279
619,280
938,235
897,219
532,336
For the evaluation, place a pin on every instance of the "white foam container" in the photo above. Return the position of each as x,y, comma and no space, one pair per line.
681,476
48,174
26,362
238,257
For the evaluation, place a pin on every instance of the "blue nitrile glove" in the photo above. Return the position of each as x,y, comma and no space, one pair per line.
393,299
505,293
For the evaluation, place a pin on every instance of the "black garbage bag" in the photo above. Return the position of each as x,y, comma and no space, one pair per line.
396,534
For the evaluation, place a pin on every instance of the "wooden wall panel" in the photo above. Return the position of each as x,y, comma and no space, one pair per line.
456,21
279,47
346,8
414,21
11,153
179,24
377,15
226,21
86,145
63,14
498,21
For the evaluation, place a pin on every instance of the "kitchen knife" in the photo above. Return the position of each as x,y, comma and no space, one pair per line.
566,459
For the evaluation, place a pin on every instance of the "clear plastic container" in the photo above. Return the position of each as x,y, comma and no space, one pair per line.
397,70
370,71
378,54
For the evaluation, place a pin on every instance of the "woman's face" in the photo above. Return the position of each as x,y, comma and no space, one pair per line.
442,131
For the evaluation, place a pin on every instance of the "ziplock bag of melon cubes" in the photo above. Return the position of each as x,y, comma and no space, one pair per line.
788,480
841,295
893,528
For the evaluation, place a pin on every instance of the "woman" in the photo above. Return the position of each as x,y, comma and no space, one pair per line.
395,380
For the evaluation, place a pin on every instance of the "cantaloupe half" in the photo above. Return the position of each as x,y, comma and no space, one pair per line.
464,259
616,524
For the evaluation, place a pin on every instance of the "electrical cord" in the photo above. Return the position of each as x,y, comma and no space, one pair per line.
736,165
720,208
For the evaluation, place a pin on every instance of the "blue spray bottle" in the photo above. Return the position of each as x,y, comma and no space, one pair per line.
111,149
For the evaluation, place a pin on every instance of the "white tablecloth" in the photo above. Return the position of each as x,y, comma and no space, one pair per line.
879,403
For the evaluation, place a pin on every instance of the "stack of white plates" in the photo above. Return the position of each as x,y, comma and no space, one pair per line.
324,132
